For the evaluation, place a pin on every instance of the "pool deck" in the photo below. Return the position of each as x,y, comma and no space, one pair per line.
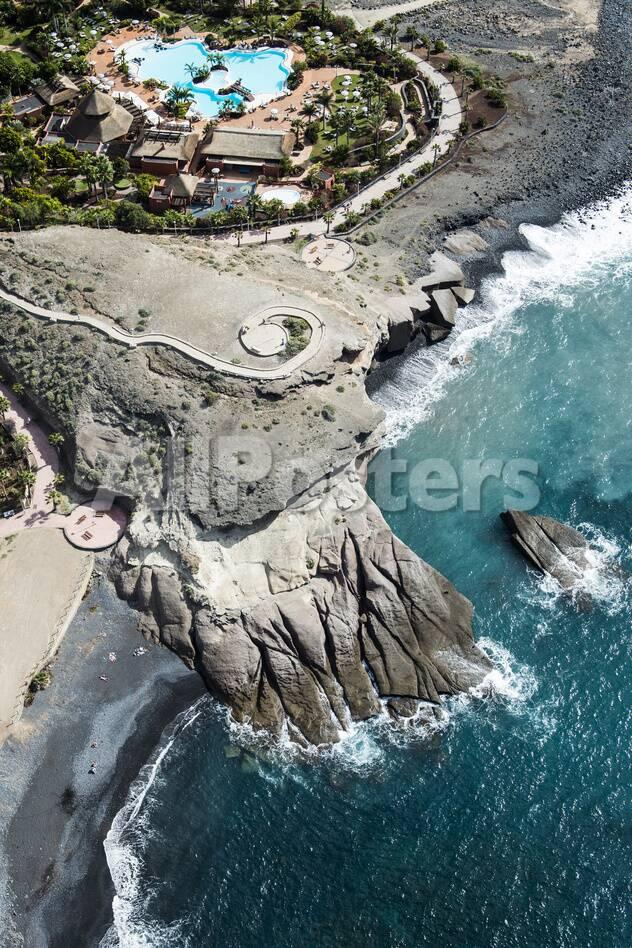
287,106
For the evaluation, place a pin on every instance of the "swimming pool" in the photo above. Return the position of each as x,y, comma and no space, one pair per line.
288,195
263,71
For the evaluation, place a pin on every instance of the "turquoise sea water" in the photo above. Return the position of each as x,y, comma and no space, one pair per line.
262,71
511,823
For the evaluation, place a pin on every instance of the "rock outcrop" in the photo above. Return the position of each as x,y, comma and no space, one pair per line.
343,620
553,548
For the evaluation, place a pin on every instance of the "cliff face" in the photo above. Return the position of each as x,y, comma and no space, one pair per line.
337,616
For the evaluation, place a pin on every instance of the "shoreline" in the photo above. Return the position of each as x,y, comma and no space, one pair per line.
171,690
55,812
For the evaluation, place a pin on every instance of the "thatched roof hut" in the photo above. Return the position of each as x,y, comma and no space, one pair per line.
98,118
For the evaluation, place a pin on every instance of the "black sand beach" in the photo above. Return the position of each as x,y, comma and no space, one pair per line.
55,813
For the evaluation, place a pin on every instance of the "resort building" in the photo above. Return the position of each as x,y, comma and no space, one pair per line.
49,94
97,122
58,91
176,191
245,151
163,151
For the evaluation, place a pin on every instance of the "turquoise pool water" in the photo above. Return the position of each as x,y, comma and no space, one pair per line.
263,71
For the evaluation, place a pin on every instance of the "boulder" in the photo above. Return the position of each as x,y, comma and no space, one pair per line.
553,548
400,331
445,273
433,333
463,295
465,242
444,307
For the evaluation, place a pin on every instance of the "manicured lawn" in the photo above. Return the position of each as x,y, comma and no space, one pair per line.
122,184
361,131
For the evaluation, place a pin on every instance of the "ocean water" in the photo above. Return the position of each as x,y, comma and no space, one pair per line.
510,822
263,71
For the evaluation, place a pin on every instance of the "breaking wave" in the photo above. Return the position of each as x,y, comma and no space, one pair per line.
561,258
130,928
606,584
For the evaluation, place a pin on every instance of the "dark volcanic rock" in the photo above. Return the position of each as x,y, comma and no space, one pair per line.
373,622
552,547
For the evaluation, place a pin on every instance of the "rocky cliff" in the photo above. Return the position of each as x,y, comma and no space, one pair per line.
253,550
318,620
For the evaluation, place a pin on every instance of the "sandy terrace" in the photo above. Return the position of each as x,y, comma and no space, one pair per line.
197,291
42,580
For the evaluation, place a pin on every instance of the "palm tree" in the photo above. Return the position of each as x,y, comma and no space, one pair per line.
328,218
88,168
413,36
375,120
255,203
324,98
436,149
104,172
18,388
179,99
216,60
20,444
297,125
55,497
55,439
26,478
345,122
427,42
309,110
5,405
265,9
392,32
5,477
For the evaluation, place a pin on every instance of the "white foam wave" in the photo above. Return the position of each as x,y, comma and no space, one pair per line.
130,929
605,583
570,254
363,748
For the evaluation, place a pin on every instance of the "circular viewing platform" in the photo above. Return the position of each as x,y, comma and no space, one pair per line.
330,254
94,527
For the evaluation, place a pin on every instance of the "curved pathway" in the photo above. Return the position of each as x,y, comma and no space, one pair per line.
187,349
40,512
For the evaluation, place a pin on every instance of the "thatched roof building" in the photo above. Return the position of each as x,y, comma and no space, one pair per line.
98,118
246,150
59,90
163,150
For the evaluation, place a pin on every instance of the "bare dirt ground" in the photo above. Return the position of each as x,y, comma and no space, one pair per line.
42,579
195,289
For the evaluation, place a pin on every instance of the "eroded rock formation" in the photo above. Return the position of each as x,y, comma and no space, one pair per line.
314,621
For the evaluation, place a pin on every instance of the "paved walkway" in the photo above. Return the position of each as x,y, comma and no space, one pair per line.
186,348
40,512
365,18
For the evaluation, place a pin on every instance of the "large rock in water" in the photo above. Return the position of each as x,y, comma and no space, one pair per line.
552,547
359,620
